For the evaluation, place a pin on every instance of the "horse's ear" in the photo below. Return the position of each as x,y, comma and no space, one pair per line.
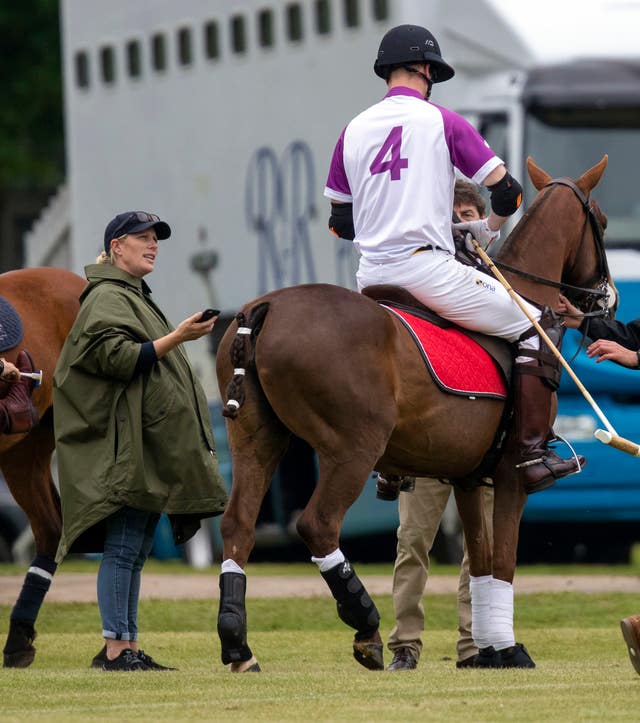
589,179
538,177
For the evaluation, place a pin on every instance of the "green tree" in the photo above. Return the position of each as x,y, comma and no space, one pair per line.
31,125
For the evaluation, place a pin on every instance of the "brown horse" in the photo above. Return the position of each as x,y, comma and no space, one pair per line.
47,302
333,367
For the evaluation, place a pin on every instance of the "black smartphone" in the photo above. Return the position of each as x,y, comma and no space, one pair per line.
208,314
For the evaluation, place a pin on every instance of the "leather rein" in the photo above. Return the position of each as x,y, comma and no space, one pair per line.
593,295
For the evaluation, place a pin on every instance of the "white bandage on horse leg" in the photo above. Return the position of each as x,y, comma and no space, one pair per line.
326,563
480,588
231,566
501,635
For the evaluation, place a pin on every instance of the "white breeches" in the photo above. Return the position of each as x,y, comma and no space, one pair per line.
457,292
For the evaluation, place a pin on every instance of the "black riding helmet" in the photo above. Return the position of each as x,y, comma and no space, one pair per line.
411,44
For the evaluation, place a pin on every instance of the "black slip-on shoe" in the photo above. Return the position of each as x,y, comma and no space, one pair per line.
151,663
100,658
127,660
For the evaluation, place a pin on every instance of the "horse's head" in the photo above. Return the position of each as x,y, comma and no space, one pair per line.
559,244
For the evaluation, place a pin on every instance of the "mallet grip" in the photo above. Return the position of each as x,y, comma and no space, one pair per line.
37,376
624,445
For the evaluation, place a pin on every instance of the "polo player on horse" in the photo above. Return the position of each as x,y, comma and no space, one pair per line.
391,184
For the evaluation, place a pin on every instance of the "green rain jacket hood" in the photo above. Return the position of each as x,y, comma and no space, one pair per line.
142,440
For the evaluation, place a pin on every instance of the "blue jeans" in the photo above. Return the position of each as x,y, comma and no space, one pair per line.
127,545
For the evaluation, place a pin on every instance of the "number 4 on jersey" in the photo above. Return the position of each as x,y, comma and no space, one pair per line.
395,164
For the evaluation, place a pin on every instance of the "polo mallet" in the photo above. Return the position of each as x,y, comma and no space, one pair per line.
608,436
33,375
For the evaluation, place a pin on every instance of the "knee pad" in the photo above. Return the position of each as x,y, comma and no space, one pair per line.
506,195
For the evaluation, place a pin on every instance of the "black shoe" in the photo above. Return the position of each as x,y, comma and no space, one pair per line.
127,660
469,662
100,658
516,656
403,659
151,663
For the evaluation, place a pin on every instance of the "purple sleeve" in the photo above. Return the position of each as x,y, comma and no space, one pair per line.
468,150
337,179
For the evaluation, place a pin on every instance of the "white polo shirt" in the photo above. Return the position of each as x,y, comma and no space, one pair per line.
395,163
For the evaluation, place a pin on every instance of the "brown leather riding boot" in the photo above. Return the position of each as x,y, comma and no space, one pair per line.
17,413
539,467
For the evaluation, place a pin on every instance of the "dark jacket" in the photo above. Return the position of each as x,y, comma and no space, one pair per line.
627,335
141,439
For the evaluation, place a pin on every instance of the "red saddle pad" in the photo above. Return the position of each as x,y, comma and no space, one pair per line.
457,363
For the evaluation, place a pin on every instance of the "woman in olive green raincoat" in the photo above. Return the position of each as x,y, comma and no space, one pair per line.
132,427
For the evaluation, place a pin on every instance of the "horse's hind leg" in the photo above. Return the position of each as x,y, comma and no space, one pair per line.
257,448
509,502
339,485
26,468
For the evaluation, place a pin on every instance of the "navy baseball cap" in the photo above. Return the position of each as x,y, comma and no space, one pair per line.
134,222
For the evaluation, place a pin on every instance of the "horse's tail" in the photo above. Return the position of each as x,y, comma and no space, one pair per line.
242,355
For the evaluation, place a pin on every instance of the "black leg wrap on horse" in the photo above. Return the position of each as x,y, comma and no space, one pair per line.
355,607
36,584
232,618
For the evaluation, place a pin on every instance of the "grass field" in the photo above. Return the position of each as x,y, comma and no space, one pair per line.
583,671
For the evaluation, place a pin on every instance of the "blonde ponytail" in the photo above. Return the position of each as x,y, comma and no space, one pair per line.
105,258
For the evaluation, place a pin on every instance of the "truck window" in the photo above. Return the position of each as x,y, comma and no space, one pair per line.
569,142
493,128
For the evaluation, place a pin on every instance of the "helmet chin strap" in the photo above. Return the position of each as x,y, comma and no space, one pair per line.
424,77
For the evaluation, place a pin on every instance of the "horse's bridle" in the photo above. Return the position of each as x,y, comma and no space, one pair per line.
581,296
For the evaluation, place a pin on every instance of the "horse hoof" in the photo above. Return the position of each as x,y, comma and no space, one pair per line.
487,658
516,657
247,666
369,655
20,658
19,650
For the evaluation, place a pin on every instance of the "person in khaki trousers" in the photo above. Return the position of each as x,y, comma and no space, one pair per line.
420,515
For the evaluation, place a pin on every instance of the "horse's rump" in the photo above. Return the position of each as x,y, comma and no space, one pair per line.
339,371
46,301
